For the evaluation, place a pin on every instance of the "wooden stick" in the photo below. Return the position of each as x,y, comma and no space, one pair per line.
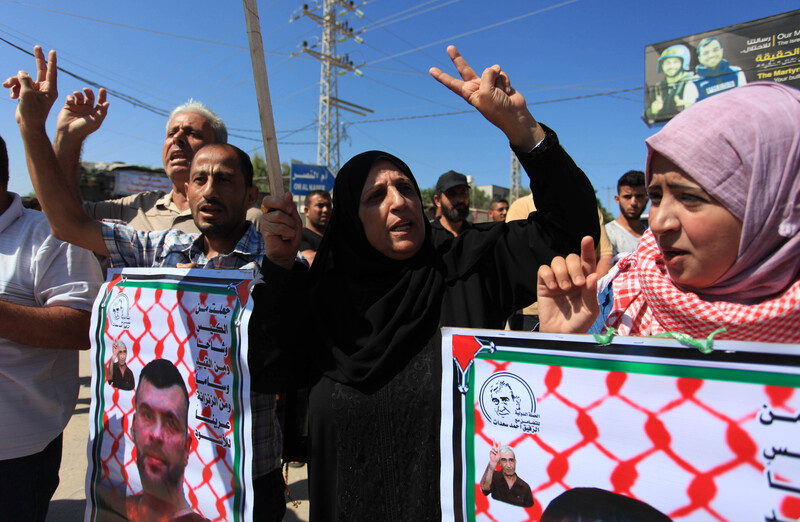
262,93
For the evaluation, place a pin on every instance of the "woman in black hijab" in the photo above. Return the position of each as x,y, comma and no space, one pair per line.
381,291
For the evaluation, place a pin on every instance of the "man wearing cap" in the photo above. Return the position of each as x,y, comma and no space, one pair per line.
452,200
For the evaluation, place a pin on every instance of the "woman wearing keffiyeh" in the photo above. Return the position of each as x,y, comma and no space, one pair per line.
723,249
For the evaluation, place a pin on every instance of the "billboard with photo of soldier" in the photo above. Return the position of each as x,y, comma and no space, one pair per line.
681,72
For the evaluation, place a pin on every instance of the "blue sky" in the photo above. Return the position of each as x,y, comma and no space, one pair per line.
166,52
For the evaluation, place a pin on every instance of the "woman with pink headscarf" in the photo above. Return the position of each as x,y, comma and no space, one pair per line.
723,249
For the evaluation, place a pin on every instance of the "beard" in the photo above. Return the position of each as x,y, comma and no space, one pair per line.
222,226
217,230
455,213
161,487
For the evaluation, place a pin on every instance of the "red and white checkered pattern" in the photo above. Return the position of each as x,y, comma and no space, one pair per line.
692,448
647,302
163,325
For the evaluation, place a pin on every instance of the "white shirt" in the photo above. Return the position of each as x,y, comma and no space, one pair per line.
38,386
622,240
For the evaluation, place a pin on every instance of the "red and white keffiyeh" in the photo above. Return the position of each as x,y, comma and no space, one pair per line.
647,302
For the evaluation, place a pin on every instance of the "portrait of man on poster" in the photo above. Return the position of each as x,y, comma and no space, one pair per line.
163,442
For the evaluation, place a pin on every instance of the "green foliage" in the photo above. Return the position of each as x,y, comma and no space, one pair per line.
479,199
608,217
260,173
427,196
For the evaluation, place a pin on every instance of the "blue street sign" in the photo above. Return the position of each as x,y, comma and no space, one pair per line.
305,178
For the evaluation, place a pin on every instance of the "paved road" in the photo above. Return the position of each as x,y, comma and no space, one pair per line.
69,502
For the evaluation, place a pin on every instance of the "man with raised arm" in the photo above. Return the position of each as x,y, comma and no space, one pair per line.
219,191
504,484
189,127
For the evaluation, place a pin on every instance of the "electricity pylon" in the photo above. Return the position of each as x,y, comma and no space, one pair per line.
333,31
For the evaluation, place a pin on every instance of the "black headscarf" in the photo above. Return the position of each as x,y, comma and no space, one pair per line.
375,312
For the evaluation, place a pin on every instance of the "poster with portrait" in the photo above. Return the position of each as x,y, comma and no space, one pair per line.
686,70
534,422
170,426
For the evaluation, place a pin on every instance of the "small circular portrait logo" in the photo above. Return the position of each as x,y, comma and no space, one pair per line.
119,314
507,400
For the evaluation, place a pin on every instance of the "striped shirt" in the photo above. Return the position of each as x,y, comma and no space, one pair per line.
130,247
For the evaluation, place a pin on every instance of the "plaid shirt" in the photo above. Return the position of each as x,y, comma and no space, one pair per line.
130,247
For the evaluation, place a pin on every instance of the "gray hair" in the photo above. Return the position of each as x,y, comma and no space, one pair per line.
217,125
506,449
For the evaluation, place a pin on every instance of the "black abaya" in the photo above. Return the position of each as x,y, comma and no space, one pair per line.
375,403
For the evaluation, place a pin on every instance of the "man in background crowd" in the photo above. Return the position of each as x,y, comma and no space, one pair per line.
626,231
451,197
498,210
317,211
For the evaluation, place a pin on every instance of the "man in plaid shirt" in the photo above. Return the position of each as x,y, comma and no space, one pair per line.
219,191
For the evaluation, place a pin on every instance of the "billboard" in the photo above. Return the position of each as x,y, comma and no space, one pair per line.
681,72
128,181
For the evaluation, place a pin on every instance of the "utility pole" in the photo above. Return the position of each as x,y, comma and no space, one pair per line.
328,135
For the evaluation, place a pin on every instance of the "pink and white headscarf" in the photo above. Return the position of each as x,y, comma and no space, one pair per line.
743,148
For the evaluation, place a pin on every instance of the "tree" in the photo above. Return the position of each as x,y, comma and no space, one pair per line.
607,216
479,199
260,174
427,196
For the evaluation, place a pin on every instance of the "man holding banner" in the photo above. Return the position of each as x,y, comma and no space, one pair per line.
219,192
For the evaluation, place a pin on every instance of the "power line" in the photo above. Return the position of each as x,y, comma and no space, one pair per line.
480,29
467,111
377,25
144,105
131,27
111,92
408,93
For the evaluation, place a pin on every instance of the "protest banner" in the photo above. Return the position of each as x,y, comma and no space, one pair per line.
696,436
170,413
